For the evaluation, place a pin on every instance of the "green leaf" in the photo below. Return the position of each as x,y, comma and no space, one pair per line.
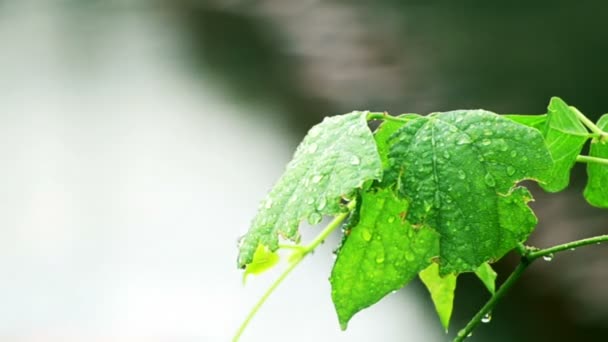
442,292
336,157
596,191
565,136
458,169
486,274
534,121
263,260
382,253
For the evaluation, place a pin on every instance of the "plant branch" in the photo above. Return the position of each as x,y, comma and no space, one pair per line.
593,127
529,255
384,116
589,159
487,308
533,255
294,260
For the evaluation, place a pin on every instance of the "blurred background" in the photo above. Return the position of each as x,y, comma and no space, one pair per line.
138,137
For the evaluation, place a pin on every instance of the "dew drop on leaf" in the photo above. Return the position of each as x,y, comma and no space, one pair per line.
486,142
317,178
446,155
268,203
510,170
489,179
312,148
380,259
355,160
366,235
461,174
513,153
391,219
322,203
463,140
314,218
548,257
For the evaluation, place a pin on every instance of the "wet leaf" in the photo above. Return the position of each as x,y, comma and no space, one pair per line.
458,170
336,157
596,191
382,253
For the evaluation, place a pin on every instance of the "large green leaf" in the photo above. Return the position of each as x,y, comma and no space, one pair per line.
596,191
458,170
442,292
381,254
336,157
565,136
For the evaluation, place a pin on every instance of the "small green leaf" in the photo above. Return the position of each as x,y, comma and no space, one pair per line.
486,274
442,292
565,136
382,253
534,121
263,260
336,157
596,191
458,169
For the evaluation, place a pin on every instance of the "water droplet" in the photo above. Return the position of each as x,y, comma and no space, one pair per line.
487,132
510,170
461,174
486,142
513,154
312,148
573,249
391,219
366,235
489,179
548,257
463,140
409,256
317,178
314,131
314,218
380,259
354,160
446,155
486,318
268,204
322,203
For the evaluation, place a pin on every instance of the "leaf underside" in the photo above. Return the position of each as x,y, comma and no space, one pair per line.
458,170
381,254
596,191
336,157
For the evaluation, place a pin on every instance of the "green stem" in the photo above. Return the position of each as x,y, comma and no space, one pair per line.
588,159
504,288
593,127
533,255
301,252
529,255
384,116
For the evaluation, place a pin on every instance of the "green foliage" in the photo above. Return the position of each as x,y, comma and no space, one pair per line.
434,196
336,157
442,292
458,170
596,191
382,253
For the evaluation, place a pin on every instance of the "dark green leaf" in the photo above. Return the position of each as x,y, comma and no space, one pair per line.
382,253
336,157
458,170
565,136
442,292
596,191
